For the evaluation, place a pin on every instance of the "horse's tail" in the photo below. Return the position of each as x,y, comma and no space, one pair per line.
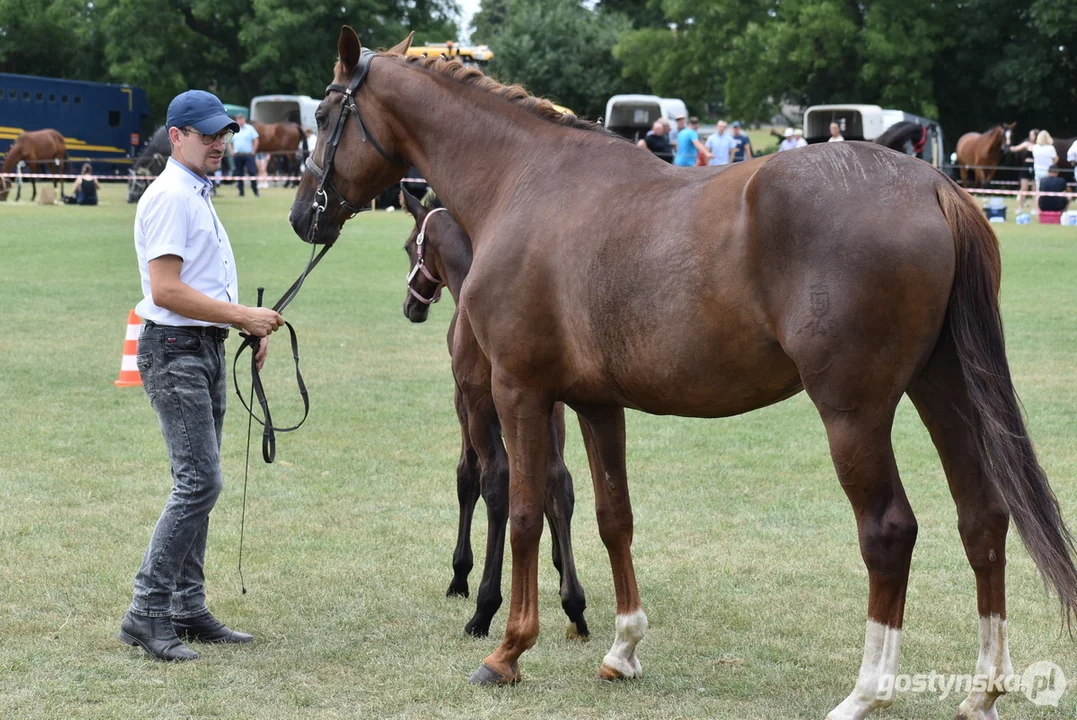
1009,458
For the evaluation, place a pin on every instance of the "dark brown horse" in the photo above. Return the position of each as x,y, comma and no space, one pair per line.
907,137
41,151
845,270
287,139
439,252
980,151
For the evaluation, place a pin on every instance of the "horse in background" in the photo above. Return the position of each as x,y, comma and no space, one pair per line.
976,151
36,149
905,137
286,138
149,164
439,252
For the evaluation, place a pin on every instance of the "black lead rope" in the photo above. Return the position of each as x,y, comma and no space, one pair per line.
321,204
269,440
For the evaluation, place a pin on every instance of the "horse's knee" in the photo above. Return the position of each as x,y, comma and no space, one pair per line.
887,542
983,533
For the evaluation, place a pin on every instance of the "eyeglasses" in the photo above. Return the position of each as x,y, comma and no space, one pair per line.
224,136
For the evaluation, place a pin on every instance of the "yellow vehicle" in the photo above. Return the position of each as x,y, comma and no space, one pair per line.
478,55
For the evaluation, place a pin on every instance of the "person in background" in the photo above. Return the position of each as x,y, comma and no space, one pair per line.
1053,184
674,133
719,144
835,133
798,135
1071,154
244,146
657,142
742,146
1028,175
86,187
1044,156
688,145
790,142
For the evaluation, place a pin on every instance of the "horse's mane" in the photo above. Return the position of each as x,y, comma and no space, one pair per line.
516,94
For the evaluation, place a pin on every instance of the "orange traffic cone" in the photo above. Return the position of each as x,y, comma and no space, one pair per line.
129,376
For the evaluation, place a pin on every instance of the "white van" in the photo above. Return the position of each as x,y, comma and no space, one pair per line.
633,115
285,108
867,122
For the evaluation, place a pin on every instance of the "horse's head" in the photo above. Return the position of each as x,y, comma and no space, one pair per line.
425,247
357,160
1007,135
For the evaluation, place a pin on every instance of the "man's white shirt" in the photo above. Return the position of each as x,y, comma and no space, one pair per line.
176,217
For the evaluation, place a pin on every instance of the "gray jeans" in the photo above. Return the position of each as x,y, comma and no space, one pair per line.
183,373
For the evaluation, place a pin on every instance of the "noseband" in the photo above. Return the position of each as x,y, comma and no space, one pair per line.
325,182
420,265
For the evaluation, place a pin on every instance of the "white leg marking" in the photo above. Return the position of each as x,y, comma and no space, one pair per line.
875,683
992,663
622,656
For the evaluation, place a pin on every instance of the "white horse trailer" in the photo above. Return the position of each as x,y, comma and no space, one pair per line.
867,122
285,108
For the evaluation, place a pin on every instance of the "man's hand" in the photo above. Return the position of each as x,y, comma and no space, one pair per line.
260,356
260,321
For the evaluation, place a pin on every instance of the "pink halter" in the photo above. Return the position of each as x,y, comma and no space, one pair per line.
420,266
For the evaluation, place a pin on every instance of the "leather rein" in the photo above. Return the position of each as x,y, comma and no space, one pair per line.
321,203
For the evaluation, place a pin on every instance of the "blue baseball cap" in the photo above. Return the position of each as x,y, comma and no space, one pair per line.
736,124
201,110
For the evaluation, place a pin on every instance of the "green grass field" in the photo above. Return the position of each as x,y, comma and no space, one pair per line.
745,546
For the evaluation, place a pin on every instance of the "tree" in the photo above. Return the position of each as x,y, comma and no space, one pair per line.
561,50
489,21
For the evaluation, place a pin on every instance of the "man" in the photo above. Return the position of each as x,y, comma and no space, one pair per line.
1053,184
742,146
719,144
674,134
789,143
244,146
688,145
798,135
835,133
657,142
190,298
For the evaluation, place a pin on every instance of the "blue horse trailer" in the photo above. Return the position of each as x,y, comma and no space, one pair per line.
101,123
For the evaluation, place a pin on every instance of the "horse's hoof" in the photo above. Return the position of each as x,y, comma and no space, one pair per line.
457,589
486,675
478,627
605,672
577,631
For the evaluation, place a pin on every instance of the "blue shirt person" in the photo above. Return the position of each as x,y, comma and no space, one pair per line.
688,145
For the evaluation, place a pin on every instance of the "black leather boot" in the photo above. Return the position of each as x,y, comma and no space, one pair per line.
156,636
208,629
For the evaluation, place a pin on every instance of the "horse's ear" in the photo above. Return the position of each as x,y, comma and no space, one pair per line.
413,205
401,48
348,48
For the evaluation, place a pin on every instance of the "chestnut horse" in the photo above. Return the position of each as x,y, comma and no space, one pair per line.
39,149
982,152
845,269
439,253
285,138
